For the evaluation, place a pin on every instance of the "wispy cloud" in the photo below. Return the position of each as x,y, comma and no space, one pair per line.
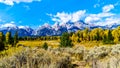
108,8
1,21
117,3
11,2
26,7
96,5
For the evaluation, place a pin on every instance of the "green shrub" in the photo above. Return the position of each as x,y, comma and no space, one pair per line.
45,46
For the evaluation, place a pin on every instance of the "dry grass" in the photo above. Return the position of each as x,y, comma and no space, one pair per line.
35,58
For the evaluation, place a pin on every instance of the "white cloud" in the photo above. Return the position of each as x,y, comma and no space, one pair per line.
11,24
11,2
63,17
112,20
93,18
109,21
102,18
108,8
77,15
7,25
23,27
66,17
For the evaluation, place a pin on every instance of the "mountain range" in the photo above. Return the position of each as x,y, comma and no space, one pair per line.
54,30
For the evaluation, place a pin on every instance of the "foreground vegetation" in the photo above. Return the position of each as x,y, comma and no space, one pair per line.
76,57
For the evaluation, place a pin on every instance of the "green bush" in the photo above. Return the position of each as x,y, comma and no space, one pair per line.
45,46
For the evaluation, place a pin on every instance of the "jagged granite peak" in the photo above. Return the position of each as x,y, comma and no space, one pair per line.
56,26
48,30
25,31
22,30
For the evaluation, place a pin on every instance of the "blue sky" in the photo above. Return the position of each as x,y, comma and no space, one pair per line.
35,13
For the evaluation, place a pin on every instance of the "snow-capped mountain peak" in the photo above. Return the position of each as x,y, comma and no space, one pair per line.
46,25
27,28
48,30
56,26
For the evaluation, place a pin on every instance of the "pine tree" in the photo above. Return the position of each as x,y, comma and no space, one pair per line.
65,40
86,34
2,46
16,38
45,46
97,36
110,37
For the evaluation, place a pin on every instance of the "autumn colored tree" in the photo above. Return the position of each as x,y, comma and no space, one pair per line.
116,35
96,34
75,38
9,39
80,35
86,34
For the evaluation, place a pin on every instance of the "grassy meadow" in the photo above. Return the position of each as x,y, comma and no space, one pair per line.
53,43
56,43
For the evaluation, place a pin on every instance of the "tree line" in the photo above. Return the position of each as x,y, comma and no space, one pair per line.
106,36
7,40
97,34
39,38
